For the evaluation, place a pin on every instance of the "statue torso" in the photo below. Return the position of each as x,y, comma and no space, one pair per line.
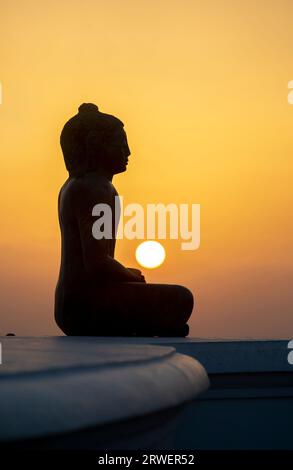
76,215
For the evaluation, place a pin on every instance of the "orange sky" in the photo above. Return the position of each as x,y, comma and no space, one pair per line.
202,90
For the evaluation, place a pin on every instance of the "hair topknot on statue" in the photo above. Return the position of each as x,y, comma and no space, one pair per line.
87,108
76,131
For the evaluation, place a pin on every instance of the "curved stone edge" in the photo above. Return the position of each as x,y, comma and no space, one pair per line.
34,406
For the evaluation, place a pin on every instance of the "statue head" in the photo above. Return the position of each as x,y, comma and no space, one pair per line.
93,141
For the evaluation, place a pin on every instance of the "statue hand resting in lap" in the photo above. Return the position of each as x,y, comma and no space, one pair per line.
95,294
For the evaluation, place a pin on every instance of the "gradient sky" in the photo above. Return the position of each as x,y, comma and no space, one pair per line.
202,90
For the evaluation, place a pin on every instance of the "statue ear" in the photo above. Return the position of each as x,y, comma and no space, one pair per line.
95,139
95,149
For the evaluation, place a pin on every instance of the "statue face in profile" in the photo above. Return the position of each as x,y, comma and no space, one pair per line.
111,154
117,151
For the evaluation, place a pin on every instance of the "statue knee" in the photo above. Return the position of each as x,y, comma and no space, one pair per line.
186,303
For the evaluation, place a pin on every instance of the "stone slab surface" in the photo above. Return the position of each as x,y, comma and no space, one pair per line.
54,385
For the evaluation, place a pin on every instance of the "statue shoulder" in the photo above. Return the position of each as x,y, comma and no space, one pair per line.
85,192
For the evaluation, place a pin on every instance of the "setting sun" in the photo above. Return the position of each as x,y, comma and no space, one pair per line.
150,254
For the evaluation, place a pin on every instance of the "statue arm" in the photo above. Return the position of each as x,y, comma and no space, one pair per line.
97,262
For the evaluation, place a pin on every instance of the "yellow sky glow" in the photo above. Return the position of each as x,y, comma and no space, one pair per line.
202,90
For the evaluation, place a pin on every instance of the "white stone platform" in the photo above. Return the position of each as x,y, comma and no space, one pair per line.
54,386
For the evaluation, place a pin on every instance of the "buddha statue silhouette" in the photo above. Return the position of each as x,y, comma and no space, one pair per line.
95,294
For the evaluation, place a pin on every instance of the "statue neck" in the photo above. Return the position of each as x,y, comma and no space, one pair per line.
102,172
